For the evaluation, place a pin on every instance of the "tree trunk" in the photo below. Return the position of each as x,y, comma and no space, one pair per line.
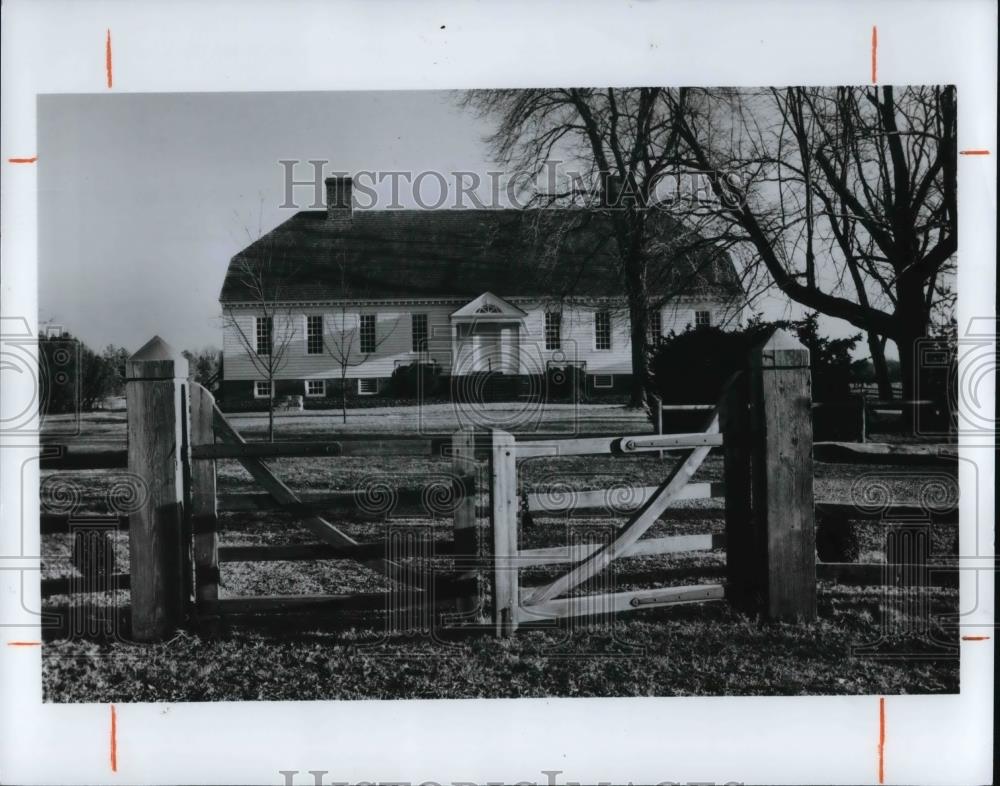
270,412
876,345
911,316
639,331
343,397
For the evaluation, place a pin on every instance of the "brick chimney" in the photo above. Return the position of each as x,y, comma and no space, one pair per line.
339,201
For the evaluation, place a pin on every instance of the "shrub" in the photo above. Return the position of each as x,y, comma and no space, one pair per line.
692,367
829,360
415,380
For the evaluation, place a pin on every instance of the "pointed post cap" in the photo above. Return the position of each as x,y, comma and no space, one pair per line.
156,359
780,350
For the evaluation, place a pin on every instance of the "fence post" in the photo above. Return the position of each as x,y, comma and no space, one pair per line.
154,394
864,417
204,510
466,529
503,509
658,403
782,472
744,557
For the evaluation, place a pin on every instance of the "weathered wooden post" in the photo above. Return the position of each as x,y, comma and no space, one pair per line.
503,510
658,403
204,510
782,472
466,521
154,394
863,404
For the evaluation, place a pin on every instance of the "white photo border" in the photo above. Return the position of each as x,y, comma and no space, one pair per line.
59,47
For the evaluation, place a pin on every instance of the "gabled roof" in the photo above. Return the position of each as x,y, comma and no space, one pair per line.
458,254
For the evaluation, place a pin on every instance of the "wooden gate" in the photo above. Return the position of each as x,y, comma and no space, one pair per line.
514,605
763,421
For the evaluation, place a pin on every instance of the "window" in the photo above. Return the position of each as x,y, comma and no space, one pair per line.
367,387
315,387
702,318
264,335
602,330
314,334
553,330
656,326
604,380
367,333
262,389
418,328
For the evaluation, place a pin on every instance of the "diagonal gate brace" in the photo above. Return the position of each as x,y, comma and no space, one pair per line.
636,527
285,497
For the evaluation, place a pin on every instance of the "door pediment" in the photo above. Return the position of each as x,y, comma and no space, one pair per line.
488,308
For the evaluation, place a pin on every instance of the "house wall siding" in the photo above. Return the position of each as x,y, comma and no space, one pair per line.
394,336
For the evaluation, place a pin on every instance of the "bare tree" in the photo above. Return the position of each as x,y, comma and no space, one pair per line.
204,366
623,143
262,277
850,208
342,339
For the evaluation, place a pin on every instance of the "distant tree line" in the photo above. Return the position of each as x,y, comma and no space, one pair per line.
73,377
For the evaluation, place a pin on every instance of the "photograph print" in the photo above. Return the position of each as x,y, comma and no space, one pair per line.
631,391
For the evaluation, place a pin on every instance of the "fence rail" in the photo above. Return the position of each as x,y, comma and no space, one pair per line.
886,453
62,457
619,499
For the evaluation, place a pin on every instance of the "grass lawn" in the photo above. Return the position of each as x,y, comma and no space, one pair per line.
698,649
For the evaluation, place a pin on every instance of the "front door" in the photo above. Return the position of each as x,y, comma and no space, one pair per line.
510,348
487,348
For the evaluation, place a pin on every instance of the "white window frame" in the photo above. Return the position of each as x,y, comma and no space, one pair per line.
708,321
322,390
610,378
257,387
656,326
361,333
256,335
556,345
362,381
611,331
414,347
322,327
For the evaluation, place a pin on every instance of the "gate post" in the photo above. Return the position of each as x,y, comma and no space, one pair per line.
466,521
156,378
503,516
204,511
782,476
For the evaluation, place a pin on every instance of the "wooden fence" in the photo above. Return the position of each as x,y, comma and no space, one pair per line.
762,425
849,420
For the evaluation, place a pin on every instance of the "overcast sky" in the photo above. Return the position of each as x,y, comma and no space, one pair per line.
145,197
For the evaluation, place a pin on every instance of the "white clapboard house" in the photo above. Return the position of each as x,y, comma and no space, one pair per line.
355,294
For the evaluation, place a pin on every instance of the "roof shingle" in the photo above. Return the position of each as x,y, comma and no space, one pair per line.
442,254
